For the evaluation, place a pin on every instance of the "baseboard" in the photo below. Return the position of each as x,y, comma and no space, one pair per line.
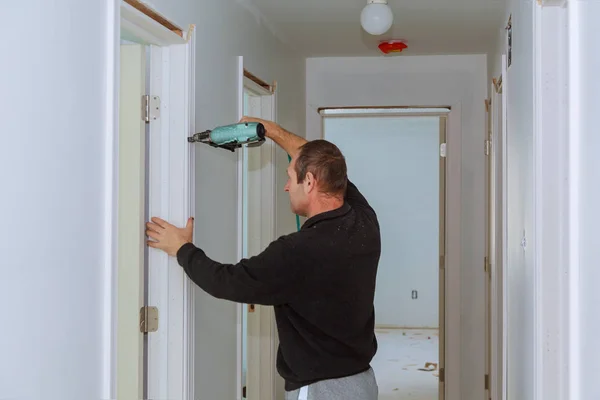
403,327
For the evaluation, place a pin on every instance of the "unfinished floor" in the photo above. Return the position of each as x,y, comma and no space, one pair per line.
400,356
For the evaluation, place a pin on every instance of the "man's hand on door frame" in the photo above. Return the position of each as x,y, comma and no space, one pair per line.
167,237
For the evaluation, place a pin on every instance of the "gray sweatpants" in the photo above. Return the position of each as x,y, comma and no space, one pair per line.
362,386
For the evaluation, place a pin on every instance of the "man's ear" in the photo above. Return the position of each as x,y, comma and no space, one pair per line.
310,183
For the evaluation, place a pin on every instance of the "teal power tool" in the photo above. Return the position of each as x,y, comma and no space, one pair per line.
231,137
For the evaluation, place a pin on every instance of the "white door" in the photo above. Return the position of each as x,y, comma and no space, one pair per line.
57,168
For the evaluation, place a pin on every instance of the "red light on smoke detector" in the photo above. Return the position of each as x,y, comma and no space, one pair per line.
392,46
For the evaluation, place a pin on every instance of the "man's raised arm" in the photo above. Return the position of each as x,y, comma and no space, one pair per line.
286,140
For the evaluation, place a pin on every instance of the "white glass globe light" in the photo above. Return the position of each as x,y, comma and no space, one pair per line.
377,17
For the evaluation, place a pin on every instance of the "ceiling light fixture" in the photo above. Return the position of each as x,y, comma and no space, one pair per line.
377,17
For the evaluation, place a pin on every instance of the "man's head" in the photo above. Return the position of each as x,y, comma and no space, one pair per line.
317,177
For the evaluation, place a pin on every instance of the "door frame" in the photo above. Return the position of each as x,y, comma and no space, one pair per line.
170,350
261,378
497,233
450,259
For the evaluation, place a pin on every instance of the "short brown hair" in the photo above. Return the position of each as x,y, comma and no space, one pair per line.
327,163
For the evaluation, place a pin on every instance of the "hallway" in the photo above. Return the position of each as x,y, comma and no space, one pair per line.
401,353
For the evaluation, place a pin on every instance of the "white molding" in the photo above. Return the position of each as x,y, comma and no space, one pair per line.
496,255
111,190
504,229
255,87
453,254
240,230
189,332
146,29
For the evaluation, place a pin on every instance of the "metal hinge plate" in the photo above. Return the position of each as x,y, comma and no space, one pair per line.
488,147
148,319
443,150
487,382
442,262
442,375
150,108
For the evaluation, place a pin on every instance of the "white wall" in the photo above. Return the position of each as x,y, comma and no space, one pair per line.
519,277
429,81
227,29
405,196
58,197
585,138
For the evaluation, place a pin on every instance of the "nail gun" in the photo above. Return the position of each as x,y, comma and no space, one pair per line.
231,137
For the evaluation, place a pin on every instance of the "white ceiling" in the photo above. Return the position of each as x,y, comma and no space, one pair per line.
332,27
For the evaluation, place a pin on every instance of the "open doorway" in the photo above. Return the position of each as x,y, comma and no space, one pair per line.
397,159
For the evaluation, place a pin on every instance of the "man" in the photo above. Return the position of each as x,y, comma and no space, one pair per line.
320,280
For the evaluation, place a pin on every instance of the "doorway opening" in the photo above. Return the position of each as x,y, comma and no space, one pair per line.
397,158
154,304
257,185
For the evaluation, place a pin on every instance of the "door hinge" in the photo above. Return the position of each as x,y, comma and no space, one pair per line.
486,265
442,375
148,319
251,308
150,108
488,147
443,150
487,382
442,262
244,394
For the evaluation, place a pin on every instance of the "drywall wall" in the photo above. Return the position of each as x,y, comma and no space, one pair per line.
458,81
519,278
585,87
405,196
226,29
57,168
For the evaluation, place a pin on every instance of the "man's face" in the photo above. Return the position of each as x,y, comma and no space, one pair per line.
298,194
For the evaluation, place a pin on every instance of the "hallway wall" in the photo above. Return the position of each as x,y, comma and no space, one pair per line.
519,277
58,170
585,252
458,81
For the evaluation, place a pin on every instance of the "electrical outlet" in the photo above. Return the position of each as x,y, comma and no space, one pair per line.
414,294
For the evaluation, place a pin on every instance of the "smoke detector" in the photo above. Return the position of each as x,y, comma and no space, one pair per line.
392,46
